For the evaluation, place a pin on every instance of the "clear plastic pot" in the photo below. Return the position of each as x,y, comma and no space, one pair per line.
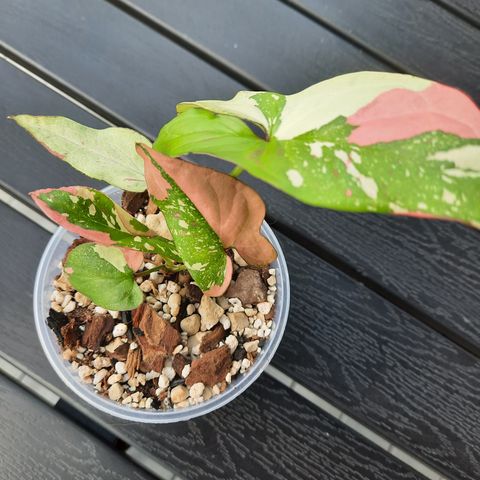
48,269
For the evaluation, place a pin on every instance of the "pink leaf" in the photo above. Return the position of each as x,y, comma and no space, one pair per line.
400,114
233,210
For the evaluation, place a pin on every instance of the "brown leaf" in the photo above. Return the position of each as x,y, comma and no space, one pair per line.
234,210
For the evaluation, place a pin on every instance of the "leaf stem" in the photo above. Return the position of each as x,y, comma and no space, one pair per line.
236,171
172,268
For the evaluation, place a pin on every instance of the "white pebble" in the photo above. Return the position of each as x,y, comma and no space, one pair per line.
142,378
114,313
271,299
232,343
225,321
66,300
245,363
121,367
178,394
264,308
100,375
146,286
116,377
70,307
115,391
173,287
272,271
133,346
101,362
271,280
250,312
100,310
190,309
185,371
196,390
151,374
119,329
257,324
174,303
251,346
84,372
169,372
163,383
215,390
177,349
228,377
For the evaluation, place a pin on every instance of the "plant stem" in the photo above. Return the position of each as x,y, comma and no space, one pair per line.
148,272
237,170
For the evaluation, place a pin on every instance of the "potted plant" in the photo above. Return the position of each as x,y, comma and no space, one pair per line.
172,303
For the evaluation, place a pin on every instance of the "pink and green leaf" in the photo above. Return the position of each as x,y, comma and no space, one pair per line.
198,245
102,274
368,141
94,216
105,154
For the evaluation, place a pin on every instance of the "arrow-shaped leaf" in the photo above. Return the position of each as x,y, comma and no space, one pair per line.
102,274
367,141
95,216
199,246
106,154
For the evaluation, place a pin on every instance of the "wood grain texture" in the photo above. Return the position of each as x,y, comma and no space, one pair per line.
421,35
259,36
269,432
469,9
96,47
36,442
406,382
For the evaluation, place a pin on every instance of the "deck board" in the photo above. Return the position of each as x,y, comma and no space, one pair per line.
268,432
427,267
37,442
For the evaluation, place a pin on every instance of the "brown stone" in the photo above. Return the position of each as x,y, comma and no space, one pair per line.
249,287
211,339
193,293
211,368
159,338
96,329
238,321
132,202
179,361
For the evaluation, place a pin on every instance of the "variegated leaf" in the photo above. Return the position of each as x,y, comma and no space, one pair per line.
198,245
367,141
106,154
101,273
95,216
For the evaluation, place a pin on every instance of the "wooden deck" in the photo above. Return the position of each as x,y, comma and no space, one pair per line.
388,387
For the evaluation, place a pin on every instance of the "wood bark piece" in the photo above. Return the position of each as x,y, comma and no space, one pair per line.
211,368
155,336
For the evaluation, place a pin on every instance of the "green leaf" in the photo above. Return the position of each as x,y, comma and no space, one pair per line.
199,246
102,274
95,216
107,154
368,141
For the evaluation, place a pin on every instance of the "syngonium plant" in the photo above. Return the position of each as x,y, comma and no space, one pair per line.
362,142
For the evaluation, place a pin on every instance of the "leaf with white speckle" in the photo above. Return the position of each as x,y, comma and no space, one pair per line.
367,141
96,217
199,246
